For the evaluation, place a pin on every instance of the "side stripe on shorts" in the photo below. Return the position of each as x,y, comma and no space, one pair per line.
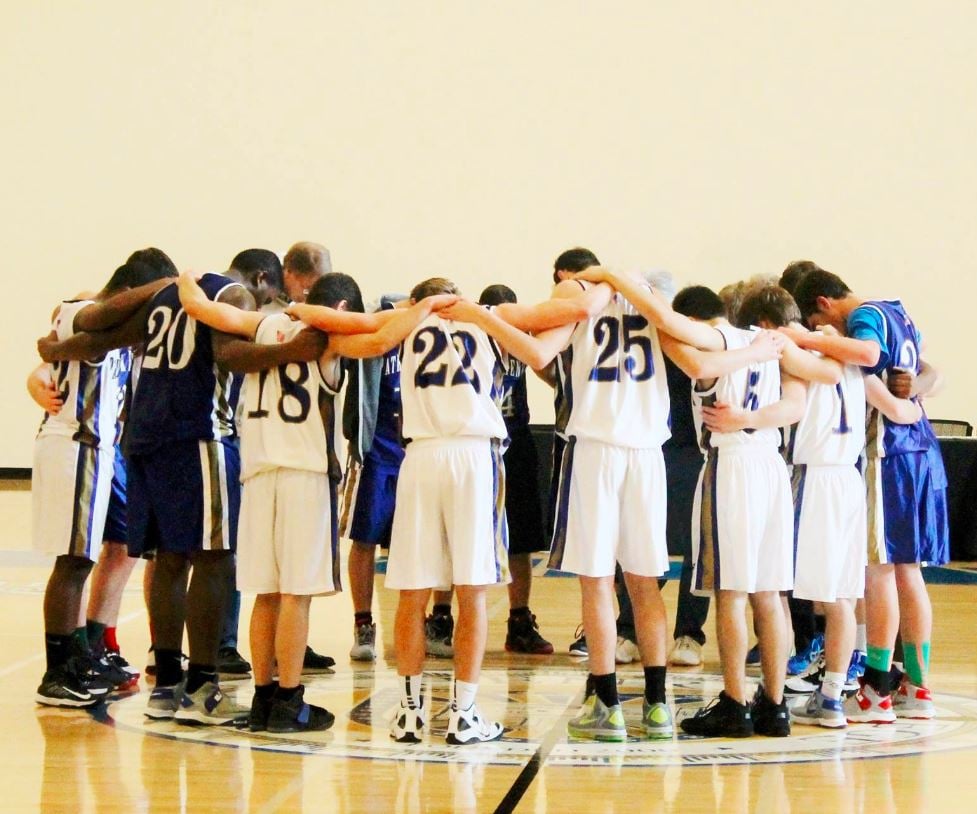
877,552
83,514
334,535
797,478
708,572
351,492
559,543
213,475
500,526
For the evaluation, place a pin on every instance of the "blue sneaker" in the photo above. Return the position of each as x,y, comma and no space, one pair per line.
856,669
821,711
799,663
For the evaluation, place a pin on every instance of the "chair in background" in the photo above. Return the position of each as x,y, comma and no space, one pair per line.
951,427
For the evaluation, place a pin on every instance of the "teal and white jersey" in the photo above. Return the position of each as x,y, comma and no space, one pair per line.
92,392
451,382
748,388
832,431
615,383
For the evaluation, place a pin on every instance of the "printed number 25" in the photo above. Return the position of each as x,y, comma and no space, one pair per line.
608,332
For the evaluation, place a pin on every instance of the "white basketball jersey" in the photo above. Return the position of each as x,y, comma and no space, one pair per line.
282,425
451,381
748,388
832,431
92,391
615,382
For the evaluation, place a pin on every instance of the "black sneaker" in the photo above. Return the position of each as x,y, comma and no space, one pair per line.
723,717
260,712
438,630
90,676
61,687
314,663
770,719
579,646
231,664
523,637
295,715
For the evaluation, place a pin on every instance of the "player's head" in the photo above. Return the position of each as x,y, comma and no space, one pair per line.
336,290
132,274
573,261
699,302
732,295
819,295
768,306
496,295
795,272
432,286
260,272
157,259
304,263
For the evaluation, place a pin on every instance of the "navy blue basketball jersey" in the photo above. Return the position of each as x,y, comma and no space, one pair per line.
181,394
515,402
387,448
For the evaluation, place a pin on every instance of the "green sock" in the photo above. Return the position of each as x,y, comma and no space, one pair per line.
916,667
878,658
96,634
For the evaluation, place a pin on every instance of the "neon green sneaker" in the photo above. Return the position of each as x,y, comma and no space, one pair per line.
597,722
656,719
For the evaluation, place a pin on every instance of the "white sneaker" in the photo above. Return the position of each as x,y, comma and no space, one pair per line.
468,726
686,652
364,647
208,705
408,723
626,651
910,701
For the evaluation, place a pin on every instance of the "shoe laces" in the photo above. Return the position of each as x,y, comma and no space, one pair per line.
578,633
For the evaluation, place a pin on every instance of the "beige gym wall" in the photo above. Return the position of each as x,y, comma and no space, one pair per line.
714,139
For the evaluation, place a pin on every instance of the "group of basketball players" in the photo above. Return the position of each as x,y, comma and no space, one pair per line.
803,486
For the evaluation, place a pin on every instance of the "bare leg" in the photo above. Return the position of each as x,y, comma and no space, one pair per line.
650,619
839,635
916,615
768,616
291,636
881,606
409,631
471,632
731,636
168,601
597,600
521,569
62,597
443,597
206,599
147,593
109,579
264,621
362,559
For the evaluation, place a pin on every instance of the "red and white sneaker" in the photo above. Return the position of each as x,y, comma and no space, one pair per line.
866,706
911,701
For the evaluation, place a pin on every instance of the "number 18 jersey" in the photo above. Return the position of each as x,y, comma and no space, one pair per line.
615,381
451,382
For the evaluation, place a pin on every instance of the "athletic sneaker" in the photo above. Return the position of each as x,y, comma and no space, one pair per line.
910,701
798,663
92,676
260,710
522,636
597,722
438,630
209,705
868,707
316,663
468,726
723,717
769,718
364,643
116,658
626,651
808,681
295,715
60,687
856,669
686,652
753,655
231,664
656,720
163,702
109,670
821,711
579,646
408,723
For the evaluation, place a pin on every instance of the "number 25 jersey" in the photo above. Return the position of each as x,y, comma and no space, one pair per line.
615,382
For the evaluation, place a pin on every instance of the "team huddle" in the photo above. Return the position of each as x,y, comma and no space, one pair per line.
189,423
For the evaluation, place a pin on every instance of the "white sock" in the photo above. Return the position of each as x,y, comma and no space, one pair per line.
464,694
410,690
860,643
832,684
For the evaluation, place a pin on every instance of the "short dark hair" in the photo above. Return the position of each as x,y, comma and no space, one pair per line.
157,259
252,262
307,258
496,295
816,284
770,303
131,275
431,286
795,272
334,287
699,302
574,260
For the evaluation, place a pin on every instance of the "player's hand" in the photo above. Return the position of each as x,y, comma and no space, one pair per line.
768,345
594,274
45,347
297,311
438,302
828,330
49,398
725,418
900,383
309,344
798,336
462,311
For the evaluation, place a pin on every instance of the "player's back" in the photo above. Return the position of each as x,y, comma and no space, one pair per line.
615,382
451,381
832,429
181,393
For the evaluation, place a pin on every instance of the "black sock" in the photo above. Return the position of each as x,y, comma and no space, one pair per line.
79,642
286,693
96,636
200,674
519,614
589,689
265,691
606,688
442,610
820,623
363,618
878,680
655,685
169,670
58,649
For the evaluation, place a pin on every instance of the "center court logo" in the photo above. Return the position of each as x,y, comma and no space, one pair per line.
534,705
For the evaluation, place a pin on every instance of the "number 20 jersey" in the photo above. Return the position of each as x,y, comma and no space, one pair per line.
615,382
451,382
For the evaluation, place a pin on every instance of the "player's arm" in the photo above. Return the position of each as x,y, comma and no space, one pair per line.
334,321
241,356
862,352
807,366
789,410
102,316
83,346
897,410
221,316
395,330
656,309
568,304
709,365
41,387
